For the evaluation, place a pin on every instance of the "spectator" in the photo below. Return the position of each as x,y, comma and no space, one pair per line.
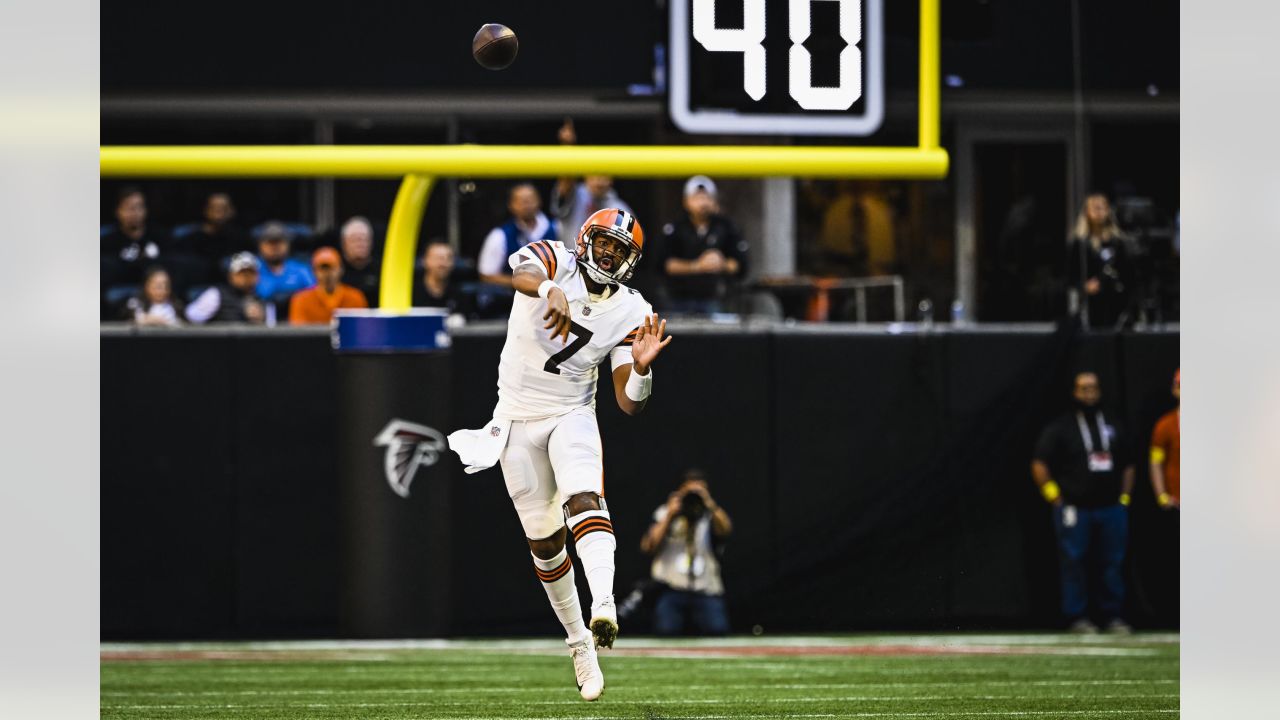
280,276
1098,263
360,269
315,305
701,252
217,236
130,244
527,224
155,305
235,301
573,202
685,539
439,286
1082,467
199,251
1166,452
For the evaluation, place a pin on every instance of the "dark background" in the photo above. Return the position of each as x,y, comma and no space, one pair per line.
240,45
876,482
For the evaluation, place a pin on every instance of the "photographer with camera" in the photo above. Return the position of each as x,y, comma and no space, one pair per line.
685,540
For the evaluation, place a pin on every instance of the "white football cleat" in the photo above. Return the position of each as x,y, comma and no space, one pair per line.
604,623
587,669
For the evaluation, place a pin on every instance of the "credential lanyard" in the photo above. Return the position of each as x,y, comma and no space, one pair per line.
1087,439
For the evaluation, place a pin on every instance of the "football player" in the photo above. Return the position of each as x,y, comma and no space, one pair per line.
572,311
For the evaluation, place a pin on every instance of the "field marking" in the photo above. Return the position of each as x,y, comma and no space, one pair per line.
161,654
878,650
869,714
750,686
700,701
737,641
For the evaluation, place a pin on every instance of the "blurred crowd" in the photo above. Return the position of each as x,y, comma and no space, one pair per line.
212,270
1114,267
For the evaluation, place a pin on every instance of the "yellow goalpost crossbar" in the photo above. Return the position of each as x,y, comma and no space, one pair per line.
419,165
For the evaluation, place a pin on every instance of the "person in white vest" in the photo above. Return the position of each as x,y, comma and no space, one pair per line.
685,539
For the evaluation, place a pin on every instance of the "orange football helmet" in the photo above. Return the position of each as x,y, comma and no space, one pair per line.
609,245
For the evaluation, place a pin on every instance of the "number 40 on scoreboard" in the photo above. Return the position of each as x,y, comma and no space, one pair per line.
777,67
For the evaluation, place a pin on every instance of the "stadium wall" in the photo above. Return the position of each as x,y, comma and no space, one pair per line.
876,481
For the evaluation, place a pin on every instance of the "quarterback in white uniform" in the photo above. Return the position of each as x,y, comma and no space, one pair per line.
571,313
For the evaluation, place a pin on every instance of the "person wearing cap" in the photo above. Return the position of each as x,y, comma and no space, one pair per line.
279,275
702,252
234,301
316,305
1082,468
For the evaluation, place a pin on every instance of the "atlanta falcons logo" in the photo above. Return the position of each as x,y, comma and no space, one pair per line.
409,447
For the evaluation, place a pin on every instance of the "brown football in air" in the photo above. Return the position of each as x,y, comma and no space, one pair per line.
495,46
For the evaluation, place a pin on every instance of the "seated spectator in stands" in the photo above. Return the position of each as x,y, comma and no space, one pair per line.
439,285
155,305
573,202
280,276
527,224
685,540
1098,263
702,253
217,236
315,305
359,266
234,301
131,243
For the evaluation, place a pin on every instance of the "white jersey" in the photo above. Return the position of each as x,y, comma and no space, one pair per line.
540,377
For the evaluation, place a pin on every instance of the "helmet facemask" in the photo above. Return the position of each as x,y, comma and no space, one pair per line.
607,255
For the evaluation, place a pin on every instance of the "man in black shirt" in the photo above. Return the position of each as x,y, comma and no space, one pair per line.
360,268
1083,467
131,243
440,285
217,236
701,253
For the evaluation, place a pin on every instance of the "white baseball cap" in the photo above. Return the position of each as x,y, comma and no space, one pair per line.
700,182
243,261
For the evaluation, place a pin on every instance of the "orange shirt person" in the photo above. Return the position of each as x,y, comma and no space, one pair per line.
1166,451
316,304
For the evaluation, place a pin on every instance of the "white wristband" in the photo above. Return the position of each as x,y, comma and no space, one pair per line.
639,386
545,288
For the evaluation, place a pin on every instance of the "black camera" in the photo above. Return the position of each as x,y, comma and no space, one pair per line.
692,505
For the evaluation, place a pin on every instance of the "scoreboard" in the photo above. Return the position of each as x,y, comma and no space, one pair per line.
777,67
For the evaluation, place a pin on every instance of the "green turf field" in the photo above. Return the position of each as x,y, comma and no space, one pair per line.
893,676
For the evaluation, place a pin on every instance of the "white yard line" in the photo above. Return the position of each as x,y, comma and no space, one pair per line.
944,640
541,690
699,701
970,713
